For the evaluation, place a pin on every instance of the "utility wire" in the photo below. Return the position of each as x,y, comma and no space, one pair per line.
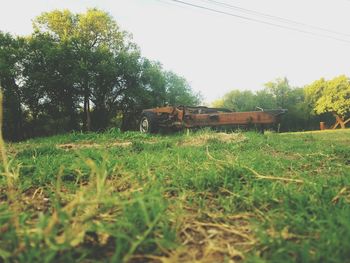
260,21
281,19
174,4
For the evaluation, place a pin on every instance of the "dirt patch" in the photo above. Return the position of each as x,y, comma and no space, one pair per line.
204,139
33,199
291,156
210,239
85,145
120,144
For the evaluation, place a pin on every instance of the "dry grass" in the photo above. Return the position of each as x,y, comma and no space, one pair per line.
210,240
205,138
82,145
344,193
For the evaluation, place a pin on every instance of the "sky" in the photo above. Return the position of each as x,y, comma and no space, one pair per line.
217,53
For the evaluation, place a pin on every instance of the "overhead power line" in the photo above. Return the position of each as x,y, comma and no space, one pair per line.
259,21
276,18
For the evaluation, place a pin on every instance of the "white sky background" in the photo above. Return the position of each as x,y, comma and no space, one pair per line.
214,52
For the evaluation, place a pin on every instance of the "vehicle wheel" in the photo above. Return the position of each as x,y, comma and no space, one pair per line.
148,123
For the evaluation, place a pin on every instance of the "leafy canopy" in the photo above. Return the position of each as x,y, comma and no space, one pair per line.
330,96
88,30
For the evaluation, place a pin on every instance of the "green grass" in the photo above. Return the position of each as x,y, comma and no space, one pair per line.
130,197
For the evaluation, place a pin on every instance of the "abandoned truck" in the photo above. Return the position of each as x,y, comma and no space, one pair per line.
180,117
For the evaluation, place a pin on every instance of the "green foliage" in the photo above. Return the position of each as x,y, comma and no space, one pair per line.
330,96
238,101
265,100
11,53
179,91
88,30
280,90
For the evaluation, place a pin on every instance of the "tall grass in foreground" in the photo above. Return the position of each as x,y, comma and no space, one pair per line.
51,223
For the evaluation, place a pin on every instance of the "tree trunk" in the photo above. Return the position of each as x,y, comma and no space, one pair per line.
19,126
70,111
87,116
101,117
14,115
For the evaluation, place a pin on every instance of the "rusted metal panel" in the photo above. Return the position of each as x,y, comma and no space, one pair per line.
229,119
189,117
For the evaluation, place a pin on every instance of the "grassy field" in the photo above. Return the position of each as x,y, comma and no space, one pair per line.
195,197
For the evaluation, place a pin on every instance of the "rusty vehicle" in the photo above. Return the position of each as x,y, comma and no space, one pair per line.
181,117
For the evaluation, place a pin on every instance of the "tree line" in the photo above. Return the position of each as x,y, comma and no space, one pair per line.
321,101
80,72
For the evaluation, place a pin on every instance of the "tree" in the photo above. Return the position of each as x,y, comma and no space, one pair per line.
105,88
331,96
132,95
154,83
88,33
179,92
280,89
238,100
264,99
276,94
80,71
291,98
11,59
50,90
